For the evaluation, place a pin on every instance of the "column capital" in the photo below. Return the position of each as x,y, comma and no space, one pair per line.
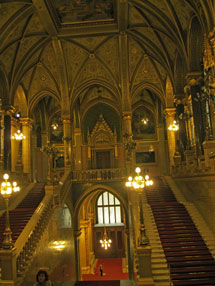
14,121
66,118
127,115
169,112
193,78
84,223
26,121
211,37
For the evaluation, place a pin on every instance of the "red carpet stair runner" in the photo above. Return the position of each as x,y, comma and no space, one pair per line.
21,215
189,259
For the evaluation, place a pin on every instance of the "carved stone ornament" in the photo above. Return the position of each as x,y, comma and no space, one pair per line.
101,133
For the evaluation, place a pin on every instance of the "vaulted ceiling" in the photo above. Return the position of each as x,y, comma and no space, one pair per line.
61,48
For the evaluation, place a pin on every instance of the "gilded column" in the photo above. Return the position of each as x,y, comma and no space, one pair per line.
195,112
26,144
170,117
77,234
2,139
67,141
15,145
84,251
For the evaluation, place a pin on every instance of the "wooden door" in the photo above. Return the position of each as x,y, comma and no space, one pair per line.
103,160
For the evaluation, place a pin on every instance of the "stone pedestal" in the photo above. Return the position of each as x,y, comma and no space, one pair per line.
8,265
49,189
190,157
209,148
144,265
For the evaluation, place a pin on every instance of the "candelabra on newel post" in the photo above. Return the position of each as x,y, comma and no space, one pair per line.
7,189
139,183
51,152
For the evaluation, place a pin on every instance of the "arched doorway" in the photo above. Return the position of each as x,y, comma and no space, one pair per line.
102,208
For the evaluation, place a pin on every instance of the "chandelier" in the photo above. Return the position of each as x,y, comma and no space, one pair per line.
105,241
174,126
18,135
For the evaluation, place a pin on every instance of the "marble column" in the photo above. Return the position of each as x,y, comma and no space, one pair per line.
170,117
15,145
67,141
2,139
77,234
26,144
128,141
84,251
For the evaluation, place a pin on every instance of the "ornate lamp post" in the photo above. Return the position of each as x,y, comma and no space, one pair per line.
139,183
7,189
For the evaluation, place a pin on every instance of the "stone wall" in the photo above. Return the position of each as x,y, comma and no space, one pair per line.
201,192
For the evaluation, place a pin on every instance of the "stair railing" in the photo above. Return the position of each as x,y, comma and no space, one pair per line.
27,241
64,185
170,279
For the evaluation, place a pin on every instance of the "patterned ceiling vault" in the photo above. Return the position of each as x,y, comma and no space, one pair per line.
63,48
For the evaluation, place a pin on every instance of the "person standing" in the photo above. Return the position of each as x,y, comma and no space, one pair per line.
42,279
101,270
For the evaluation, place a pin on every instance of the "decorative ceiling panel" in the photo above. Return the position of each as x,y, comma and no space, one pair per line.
135,16
146,72
109,54
135,54
74,56
90,43
49,60
34,25
8,9
7,57
93,69
42,81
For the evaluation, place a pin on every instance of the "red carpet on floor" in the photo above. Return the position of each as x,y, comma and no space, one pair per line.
112,270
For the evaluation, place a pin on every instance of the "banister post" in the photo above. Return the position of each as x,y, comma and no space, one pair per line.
8,267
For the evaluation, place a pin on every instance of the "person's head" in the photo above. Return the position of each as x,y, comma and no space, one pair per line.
42,276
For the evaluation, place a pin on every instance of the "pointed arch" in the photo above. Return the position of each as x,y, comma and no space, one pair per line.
196,44
20,101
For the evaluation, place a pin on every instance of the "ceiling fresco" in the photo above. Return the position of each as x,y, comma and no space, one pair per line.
70,11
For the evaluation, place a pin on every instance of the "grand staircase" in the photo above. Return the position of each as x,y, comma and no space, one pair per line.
187,255
20,216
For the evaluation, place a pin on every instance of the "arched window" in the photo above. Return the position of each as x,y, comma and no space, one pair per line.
108,209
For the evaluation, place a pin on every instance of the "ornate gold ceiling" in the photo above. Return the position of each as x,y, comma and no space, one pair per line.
61,48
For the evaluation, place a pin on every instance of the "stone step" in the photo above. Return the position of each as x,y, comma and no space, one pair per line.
161,278
158,260
162,272
161,283
158,255
160,266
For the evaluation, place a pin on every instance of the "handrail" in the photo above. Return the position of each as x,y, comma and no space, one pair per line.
30,226
64,185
